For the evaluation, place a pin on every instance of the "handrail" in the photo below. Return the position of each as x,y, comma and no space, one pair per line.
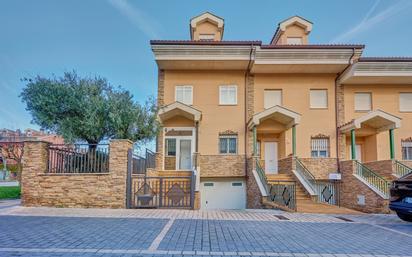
307,176
375,180
401,169
262,175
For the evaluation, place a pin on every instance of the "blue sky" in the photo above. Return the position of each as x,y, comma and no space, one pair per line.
111,38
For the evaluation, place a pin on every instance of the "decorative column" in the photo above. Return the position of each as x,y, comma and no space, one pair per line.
353,143
254,141
392,144
294,140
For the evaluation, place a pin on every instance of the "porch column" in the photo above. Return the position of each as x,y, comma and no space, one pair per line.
254,141
392,144
353,143
294,140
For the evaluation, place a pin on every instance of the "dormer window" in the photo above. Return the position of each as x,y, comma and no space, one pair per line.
207,37
294,41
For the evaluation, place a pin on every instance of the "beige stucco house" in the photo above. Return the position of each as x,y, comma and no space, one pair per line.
246,115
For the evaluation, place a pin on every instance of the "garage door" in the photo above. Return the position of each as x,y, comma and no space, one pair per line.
223,194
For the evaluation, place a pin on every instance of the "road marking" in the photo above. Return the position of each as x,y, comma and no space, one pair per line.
156,242
390,229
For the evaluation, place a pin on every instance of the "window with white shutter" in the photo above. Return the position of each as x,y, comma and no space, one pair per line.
272,98
184,94
406,149
228,95
405,102
319,147
318,98
294,41
363,101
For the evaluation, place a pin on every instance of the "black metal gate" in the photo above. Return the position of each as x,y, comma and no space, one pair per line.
157,192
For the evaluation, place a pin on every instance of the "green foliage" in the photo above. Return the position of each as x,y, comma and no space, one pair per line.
88,109
12,192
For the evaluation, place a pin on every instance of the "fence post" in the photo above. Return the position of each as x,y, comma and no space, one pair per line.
192,189
160,192
129,179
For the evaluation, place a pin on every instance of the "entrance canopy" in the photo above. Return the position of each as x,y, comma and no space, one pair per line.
373,122
179,109
279,114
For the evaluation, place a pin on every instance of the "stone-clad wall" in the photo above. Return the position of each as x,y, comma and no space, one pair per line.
384,168
320,167
253,194
107,190
351,187
222,165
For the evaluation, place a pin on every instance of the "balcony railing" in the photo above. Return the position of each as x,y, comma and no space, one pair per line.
373,179
401,169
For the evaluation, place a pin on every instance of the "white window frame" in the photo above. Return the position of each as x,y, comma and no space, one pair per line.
223,101
406,155
207,37
294,40
402,108
318,147
184,87
227,137
178,138
358,108
312,103
267,104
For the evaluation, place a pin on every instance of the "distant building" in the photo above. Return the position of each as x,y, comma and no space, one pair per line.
8,135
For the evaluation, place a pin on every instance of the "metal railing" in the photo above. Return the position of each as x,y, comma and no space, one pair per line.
262,176
283,193
373,179
306,175
141,164
401,169
326,191
78,158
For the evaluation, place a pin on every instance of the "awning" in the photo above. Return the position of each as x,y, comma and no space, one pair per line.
179,109
277,113
376,121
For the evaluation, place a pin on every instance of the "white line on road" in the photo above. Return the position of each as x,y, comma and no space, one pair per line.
156,242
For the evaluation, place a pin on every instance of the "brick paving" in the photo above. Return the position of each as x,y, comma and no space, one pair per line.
96,232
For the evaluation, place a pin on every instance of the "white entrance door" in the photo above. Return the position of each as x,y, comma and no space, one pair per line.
223,194
185,158
358,151
271,157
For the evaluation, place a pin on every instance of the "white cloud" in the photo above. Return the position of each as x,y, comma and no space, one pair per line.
371,21
137,17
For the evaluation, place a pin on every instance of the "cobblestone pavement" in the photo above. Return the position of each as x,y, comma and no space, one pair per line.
92,232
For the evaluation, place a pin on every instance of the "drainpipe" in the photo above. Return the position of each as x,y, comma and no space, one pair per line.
336,107
245,116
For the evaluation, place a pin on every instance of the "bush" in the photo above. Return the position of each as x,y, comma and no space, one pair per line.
10,192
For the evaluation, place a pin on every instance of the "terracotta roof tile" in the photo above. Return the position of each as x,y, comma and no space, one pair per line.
386,59
203,42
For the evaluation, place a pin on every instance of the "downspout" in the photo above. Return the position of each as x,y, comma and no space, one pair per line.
246,107
336,107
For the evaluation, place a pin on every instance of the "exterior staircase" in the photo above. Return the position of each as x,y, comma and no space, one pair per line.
306,203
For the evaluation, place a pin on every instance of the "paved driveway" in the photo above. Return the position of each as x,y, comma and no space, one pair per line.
91,232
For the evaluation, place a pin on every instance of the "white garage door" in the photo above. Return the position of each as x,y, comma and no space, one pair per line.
223,194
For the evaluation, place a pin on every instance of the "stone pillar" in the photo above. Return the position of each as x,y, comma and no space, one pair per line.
160,103
340,112
250,92
35,160
118,170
